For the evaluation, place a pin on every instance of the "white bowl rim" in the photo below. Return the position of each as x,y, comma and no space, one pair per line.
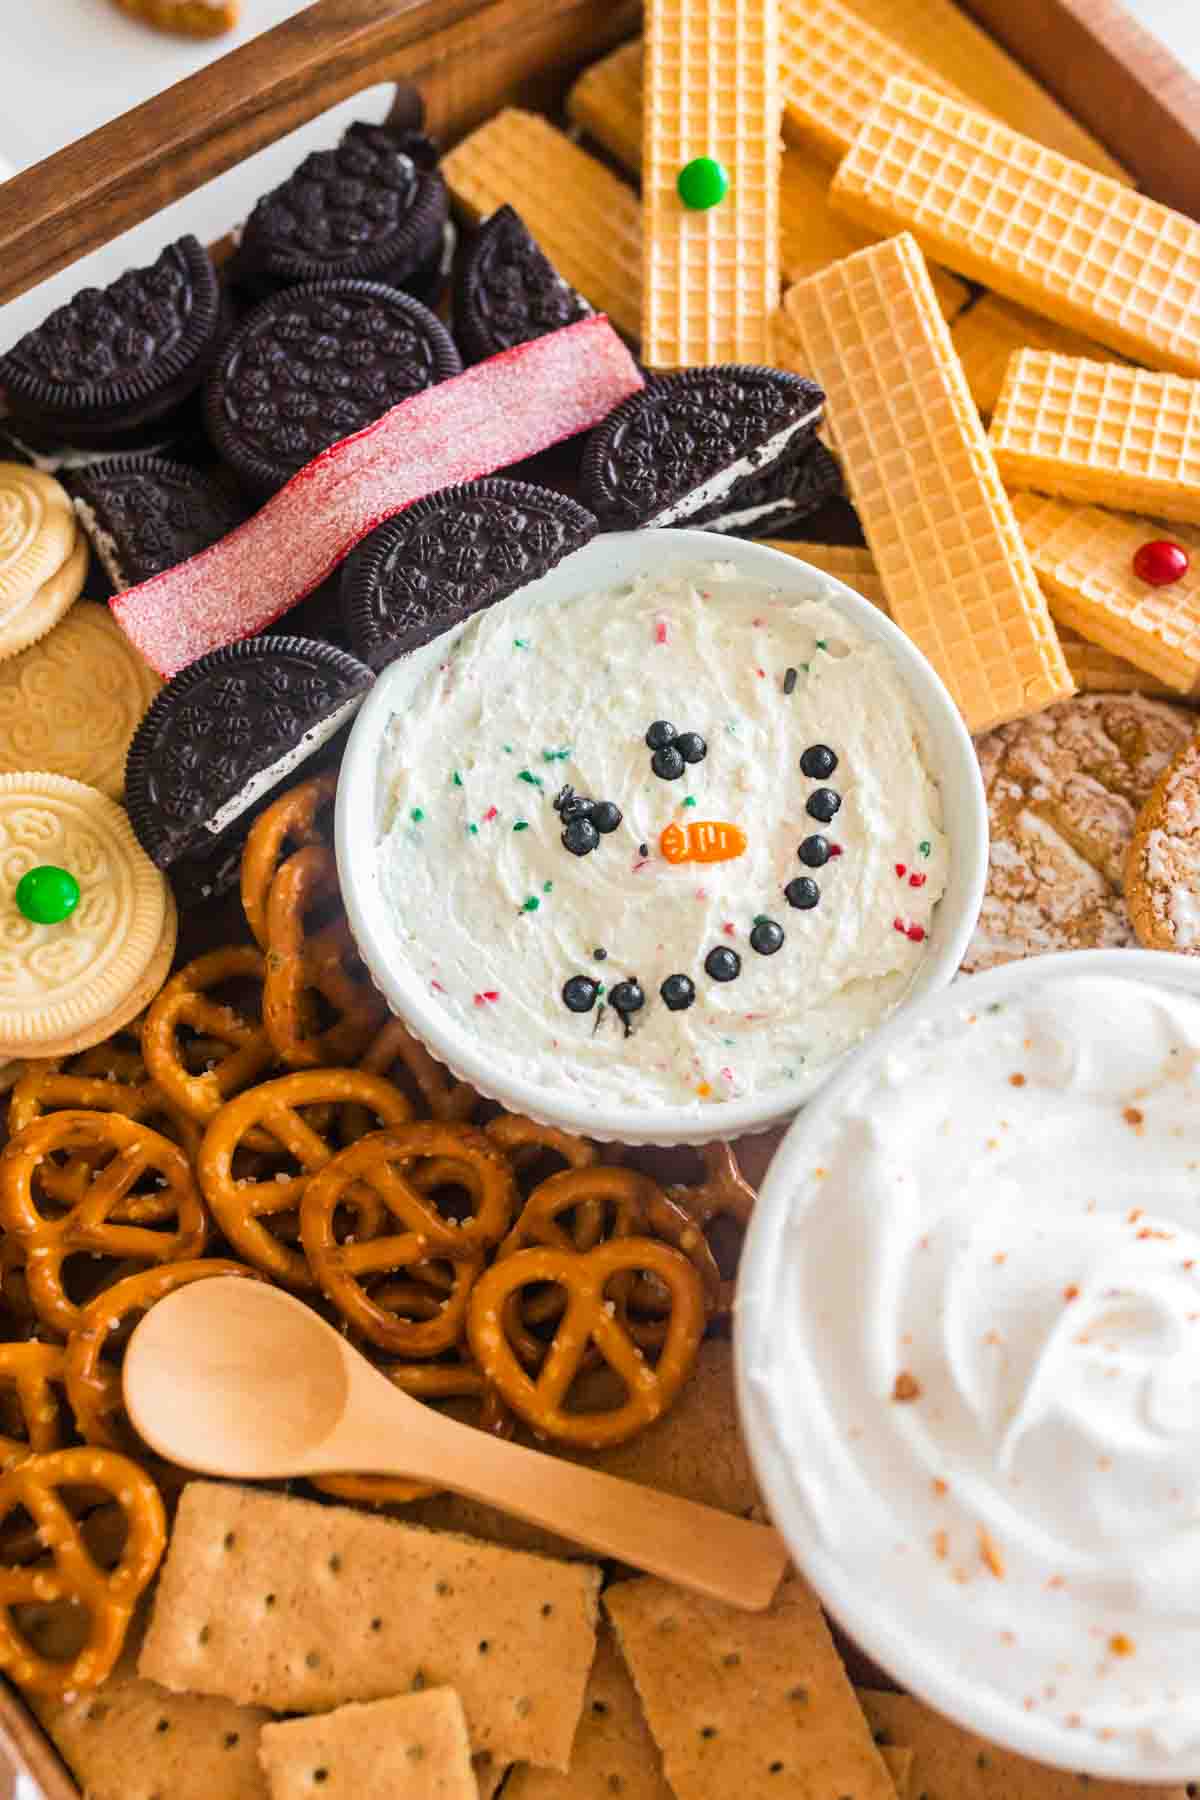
917,1665
605,561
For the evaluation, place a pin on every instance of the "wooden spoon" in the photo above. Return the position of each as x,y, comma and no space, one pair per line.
239,1379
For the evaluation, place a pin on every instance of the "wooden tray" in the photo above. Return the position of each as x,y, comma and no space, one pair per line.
466,58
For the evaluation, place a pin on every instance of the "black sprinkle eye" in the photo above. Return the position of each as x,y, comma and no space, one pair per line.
667,763
678,992
823,804
627,996
818,762
723,964
605,816
600,953
691,746
766,937
660,733
579,993
577,806
814,852
802,892
580,837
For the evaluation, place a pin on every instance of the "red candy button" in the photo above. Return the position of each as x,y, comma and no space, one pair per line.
1161,562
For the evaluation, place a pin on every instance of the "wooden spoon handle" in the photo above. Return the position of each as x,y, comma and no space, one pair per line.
695,1546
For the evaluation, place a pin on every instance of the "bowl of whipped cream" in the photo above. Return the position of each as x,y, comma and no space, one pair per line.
645,848
968,1352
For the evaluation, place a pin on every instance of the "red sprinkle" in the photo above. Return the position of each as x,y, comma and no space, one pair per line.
835,849
727,1074
660,632
488,994
728,928
702,893
761,673
901,870
917,880
641,864
437,987
915,934
1161,562
900,926
489,815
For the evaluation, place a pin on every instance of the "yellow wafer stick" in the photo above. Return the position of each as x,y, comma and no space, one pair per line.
1084,561
835,67
710,275
954,569
846,562
988,333
940,33
1047,232
606,102
1097,671
1101,433
583,216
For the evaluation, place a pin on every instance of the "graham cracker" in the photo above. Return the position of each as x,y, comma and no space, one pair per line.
130,1739
414,1745
1100,432
710,278
606,102
490,1775
988,333
1049,233
845,562
519,159
284,1603
954,568
900,1767
613,1753
752,1704
943,35
1084,561
953,1764
835,67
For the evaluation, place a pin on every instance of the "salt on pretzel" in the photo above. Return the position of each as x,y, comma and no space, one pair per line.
382,1162
241,1206
92,1379
107,1596
133,1152
45,1088
185,1003
324,963
589,1318
31,1378
289,821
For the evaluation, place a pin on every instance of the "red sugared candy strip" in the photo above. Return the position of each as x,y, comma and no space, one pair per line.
1161,562
498,412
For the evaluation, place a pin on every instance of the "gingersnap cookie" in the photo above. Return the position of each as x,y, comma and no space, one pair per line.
1162,868
1064,791
71,703
87,925
43,560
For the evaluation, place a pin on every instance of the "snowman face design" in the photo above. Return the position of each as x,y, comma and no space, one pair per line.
674,842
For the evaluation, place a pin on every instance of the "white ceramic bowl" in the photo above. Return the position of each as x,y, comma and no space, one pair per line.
766,1291
606,562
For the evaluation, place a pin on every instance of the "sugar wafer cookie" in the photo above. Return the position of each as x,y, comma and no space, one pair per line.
606,102
955,571
987,334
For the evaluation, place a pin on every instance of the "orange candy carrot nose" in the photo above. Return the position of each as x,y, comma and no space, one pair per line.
704,841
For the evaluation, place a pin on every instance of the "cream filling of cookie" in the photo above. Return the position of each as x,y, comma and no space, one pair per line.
278,771
493,915
103,543
753,463
979,1352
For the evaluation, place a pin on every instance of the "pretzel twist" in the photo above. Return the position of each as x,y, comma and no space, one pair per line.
184,1002
292,819
300,966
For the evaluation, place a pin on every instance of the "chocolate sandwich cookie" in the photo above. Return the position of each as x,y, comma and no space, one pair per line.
373,209
784,493
451,555
113,362
508,290
313,365
223,734
144,514
682,444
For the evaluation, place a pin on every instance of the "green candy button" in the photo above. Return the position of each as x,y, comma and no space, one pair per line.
702,183
47,895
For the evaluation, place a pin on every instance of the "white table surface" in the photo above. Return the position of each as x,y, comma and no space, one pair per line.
70,65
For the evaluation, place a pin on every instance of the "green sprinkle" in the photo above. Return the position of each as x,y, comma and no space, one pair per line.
690,801
520,643
727,1040
601,991
416,815
529,776
761,919
507,748
807,667
456,778
547,887
822,643
995,1007
521,825
925,847
474,830
532,904
556,755
731,726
